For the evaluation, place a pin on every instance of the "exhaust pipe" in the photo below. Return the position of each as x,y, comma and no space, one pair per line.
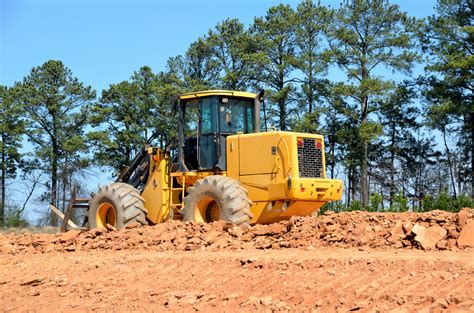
256,111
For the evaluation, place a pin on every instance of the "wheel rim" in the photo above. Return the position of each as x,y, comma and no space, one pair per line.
207,210
105,215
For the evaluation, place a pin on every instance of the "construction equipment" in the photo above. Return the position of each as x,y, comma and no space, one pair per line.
223,168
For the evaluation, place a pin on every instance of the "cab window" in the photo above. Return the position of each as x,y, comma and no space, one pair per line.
236,115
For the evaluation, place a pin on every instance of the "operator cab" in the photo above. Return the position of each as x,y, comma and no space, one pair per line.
207,118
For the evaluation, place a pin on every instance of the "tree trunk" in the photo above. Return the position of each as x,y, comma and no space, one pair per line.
310,89
4,172
54,181
364,103
282,97
382,205
353,191
392,167
332,145
471,121
64,186
349,186
353,184
281,104
448,155
417,184
364,188
333,157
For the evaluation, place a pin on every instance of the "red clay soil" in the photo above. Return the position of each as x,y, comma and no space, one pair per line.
353,261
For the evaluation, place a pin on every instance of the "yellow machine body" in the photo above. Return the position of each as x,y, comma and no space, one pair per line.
267,165
275,167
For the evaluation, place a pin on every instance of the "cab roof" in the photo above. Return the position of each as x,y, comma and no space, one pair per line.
206,93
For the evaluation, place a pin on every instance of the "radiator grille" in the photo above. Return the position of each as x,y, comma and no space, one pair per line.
310,159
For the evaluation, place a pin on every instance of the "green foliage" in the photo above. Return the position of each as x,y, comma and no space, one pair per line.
275,57
129,112
448,37
397,116
230,49
444,201
338,206
367,34
15,217
312,20
400,203
363,36
375,202
308,124
56,106
448,40
355,206
11,130
196,70
369,130
335,206
464,201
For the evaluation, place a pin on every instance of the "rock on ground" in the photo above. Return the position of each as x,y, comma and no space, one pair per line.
430,230
429,237
466,237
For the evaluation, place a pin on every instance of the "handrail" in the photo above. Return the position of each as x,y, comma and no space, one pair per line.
287,152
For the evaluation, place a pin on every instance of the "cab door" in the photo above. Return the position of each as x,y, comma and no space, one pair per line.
208,133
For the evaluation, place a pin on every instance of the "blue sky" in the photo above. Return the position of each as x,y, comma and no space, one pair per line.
104,41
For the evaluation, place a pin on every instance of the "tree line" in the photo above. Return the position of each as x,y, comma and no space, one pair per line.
400,139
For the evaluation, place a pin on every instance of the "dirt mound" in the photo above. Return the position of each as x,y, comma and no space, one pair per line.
437,230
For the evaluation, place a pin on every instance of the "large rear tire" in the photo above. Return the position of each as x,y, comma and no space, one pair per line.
118,205
217,198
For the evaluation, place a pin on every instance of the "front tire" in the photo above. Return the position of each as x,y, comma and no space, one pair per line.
118,205
217,198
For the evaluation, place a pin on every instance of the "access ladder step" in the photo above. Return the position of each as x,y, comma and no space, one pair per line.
82,200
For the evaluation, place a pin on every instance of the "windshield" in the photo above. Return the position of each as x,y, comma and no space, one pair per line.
219,114
236,115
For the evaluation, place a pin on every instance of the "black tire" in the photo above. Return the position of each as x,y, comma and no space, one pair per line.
127,204
217,194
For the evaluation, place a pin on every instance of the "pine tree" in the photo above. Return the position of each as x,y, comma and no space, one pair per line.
230,48
11,130
128,113
197,70
365,35
449,41
439,118
398,117
421,171
312,20
56,106
275,38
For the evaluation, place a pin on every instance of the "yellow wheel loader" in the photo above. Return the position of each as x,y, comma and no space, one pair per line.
223,168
